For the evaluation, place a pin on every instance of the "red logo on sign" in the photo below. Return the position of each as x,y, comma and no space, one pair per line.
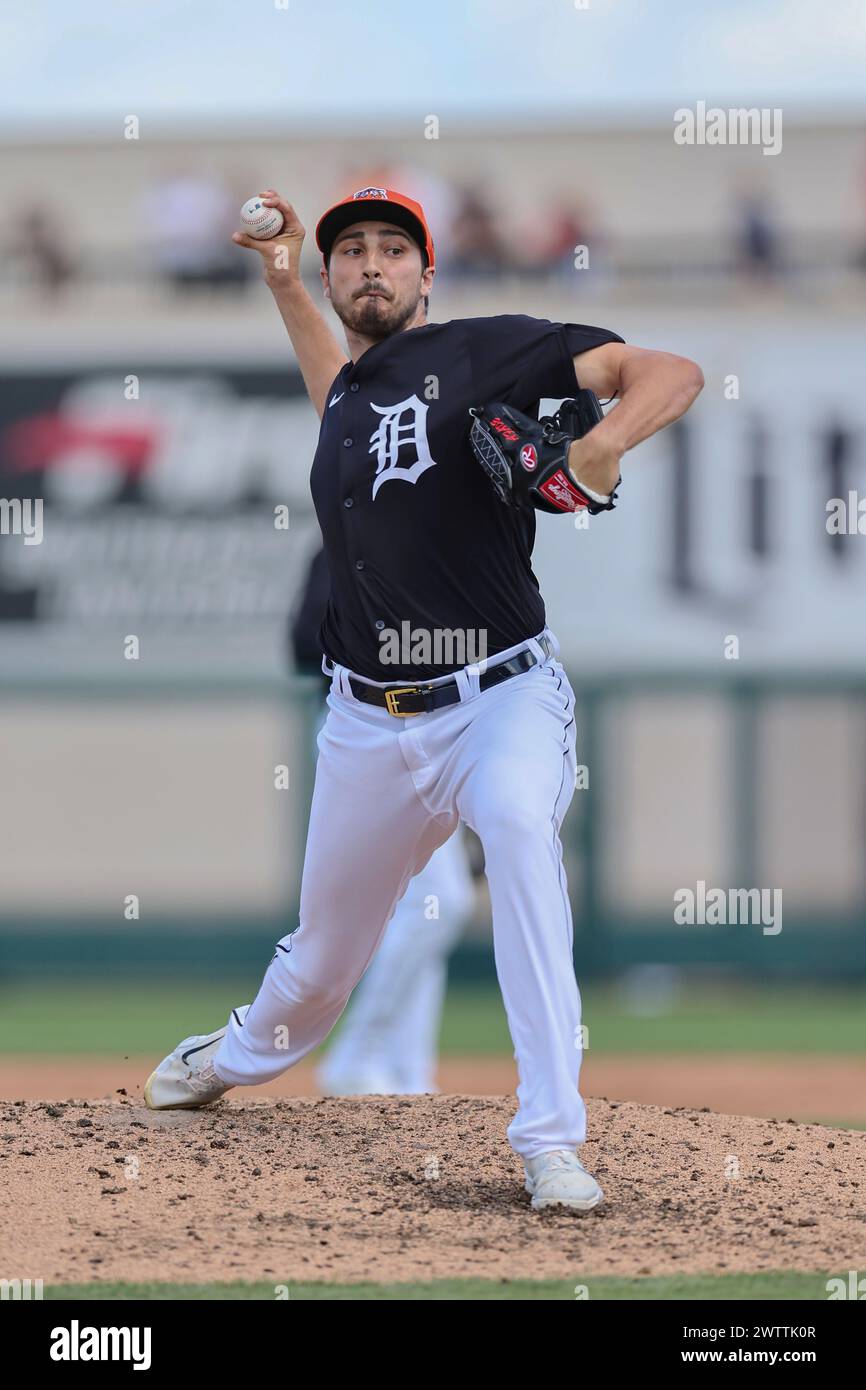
528,457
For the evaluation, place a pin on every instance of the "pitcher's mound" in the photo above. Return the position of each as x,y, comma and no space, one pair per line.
405,1188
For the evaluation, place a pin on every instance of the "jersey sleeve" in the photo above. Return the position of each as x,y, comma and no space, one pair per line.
519,360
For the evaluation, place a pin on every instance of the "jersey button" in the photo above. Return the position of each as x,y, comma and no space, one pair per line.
359,564
354,386
347,443
348,502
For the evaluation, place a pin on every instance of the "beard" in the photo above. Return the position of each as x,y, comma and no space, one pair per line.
375,317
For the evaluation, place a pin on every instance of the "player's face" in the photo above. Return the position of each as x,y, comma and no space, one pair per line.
376,278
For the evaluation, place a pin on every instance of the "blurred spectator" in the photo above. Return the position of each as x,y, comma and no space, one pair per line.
476,243
38,242
860,253
189,219
551,240
757,239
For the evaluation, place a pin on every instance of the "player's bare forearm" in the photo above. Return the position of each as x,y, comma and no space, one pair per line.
319,355
654,389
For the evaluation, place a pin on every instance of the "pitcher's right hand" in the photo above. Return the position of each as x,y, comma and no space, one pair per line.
281,254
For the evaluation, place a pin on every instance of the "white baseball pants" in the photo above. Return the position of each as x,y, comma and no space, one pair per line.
389,1034
388,792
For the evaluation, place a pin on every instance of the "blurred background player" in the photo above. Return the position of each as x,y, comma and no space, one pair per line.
388,1036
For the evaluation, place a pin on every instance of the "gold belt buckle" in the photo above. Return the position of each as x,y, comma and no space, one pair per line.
391,701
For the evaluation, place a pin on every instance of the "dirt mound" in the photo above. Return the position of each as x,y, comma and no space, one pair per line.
396,1188
829,1089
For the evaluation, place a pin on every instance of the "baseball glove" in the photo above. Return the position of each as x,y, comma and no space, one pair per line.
526,460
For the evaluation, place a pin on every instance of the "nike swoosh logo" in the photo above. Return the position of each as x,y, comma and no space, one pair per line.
335,399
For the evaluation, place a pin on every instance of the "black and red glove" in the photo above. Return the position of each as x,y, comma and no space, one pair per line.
526,460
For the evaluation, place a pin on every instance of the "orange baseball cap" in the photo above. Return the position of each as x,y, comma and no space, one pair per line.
380,205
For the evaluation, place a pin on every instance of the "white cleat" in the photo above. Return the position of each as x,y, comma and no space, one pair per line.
186,1077
559,1179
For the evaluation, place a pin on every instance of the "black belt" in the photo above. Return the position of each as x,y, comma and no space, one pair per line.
405,700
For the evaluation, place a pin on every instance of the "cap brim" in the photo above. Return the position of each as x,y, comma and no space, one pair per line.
368,210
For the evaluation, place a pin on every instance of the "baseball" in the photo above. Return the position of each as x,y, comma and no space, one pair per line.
260,221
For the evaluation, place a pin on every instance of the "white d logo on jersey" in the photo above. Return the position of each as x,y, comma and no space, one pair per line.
393,434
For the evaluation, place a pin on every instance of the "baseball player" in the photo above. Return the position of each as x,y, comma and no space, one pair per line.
388,1035
447,700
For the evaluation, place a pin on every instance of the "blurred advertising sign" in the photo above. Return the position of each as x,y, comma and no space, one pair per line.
158,495
740,535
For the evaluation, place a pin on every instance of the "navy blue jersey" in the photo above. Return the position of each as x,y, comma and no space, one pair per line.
413,532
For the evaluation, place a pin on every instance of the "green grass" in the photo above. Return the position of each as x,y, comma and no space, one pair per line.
703,1287
146,1017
